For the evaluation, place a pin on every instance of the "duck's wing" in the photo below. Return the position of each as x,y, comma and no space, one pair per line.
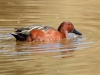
27,29
38,27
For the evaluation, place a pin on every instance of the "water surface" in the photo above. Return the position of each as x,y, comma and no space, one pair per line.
67,57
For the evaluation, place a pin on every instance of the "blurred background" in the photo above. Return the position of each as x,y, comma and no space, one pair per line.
75,57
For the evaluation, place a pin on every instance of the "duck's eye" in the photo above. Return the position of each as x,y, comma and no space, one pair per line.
70,28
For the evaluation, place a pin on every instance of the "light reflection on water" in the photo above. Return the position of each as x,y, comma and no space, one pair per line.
18,54
79,56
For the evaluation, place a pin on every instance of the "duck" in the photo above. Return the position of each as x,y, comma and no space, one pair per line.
44,33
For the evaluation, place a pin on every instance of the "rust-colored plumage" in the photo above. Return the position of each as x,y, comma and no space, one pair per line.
45,33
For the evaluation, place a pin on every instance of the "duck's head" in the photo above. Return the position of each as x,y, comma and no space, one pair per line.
67,27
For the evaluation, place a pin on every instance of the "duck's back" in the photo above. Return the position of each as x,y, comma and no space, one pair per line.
27,29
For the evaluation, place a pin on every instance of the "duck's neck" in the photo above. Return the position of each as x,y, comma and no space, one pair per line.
63,35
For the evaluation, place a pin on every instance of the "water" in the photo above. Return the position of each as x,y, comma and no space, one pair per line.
79,56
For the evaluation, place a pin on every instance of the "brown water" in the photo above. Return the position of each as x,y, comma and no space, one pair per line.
77,57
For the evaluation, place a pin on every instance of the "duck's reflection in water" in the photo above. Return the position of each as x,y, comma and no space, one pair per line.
62,48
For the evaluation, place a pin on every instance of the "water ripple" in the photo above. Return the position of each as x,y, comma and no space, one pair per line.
20,48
